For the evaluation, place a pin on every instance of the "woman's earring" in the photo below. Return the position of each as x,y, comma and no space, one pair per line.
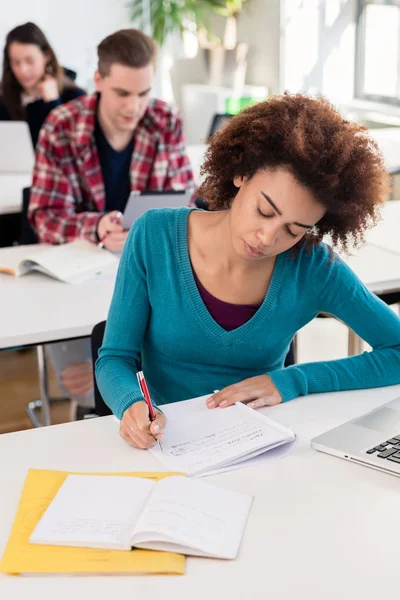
49,69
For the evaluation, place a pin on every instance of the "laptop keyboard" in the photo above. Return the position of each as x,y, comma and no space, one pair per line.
390,449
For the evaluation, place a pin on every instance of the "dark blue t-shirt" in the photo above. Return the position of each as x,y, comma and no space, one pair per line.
115,168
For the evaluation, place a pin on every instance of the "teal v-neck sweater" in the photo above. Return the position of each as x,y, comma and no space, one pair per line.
158,322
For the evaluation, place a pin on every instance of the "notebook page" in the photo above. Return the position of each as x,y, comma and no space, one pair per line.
72,263
94,512
195,515
197,439
258,459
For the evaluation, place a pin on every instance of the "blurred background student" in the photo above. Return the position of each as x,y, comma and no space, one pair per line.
33,81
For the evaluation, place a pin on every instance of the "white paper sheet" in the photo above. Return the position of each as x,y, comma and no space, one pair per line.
199,440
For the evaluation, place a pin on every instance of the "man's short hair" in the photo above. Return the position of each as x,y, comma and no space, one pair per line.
127,47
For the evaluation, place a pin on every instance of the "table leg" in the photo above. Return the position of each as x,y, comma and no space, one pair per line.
44,403
355,344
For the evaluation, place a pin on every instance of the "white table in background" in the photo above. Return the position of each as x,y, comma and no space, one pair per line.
11,186
388,140
37,309
387,233
320,528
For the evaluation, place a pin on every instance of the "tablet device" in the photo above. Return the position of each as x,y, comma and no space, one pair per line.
139,202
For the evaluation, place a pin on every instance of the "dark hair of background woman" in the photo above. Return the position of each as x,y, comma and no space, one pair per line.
11,90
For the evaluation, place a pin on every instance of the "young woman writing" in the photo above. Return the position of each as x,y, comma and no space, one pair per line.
209,300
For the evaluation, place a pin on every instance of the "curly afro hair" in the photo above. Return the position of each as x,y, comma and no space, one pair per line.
333,158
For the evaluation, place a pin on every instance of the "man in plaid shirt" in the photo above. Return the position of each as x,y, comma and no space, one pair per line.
90,154
118,129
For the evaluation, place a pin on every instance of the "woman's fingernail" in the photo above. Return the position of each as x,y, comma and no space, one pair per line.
210,403
160,436
224,403
156,428
252,405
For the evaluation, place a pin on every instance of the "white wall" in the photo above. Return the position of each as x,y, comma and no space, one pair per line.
318,47
74,28
258,26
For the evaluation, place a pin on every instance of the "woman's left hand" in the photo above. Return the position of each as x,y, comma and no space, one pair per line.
256,392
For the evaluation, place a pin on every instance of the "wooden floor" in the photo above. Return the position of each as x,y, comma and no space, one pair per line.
18,386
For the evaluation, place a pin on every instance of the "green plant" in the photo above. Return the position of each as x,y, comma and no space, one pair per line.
171,16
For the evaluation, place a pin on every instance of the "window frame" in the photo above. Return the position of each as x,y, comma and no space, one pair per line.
360,55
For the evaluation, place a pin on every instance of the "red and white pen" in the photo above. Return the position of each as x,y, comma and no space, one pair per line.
114,220
146,395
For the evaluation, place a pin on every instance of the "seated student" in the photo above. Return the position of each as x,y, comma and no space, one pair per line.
91,153
33,83
209,300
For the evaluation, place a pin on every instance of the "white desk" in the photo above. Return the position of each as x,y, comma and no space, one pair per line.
388,140
11,186
377,267
36,309
320,528
387,233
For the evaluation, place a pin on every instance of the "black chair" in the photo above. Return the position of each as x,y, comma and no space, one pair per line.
70,73
100,407
10,225
218,122
26,235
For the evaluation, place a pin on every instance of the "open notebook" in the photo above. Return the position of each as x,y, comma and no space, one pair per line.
200,441
174,514
71,263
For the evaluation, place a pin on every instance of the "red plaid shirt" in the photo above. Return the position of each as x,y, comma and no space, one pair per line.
68,192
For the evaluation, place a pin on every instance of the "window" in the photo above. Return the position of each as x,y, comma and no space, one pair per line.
378,51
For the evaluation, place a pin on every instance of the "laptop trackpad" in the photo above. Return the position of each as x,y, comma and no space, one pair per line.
384,419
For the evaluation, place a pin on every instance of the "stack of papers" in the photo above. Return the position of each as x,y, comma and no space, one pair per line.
200,441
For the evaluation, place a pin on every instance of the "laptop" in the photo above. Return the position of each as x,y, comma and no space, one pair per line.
16,148
372,440
139,202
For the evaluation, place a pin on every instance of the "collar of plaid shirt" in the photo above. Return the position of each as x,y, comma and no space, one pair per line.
86,121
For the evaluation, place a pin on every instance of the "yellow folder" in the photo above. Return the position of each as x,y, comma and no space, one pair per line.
22,557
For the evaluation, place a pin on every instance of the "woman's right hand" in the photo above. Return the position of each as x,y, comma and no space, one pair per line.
48,89
137,429
111,234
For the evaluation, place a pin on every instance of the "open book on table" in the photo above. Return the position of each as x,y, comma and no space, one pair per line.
199,441
72,263
175,514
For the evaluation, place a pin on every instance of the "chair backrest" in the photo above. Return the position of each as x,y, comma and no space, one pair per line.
26,234
200,203
70,73
101,408
218,122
